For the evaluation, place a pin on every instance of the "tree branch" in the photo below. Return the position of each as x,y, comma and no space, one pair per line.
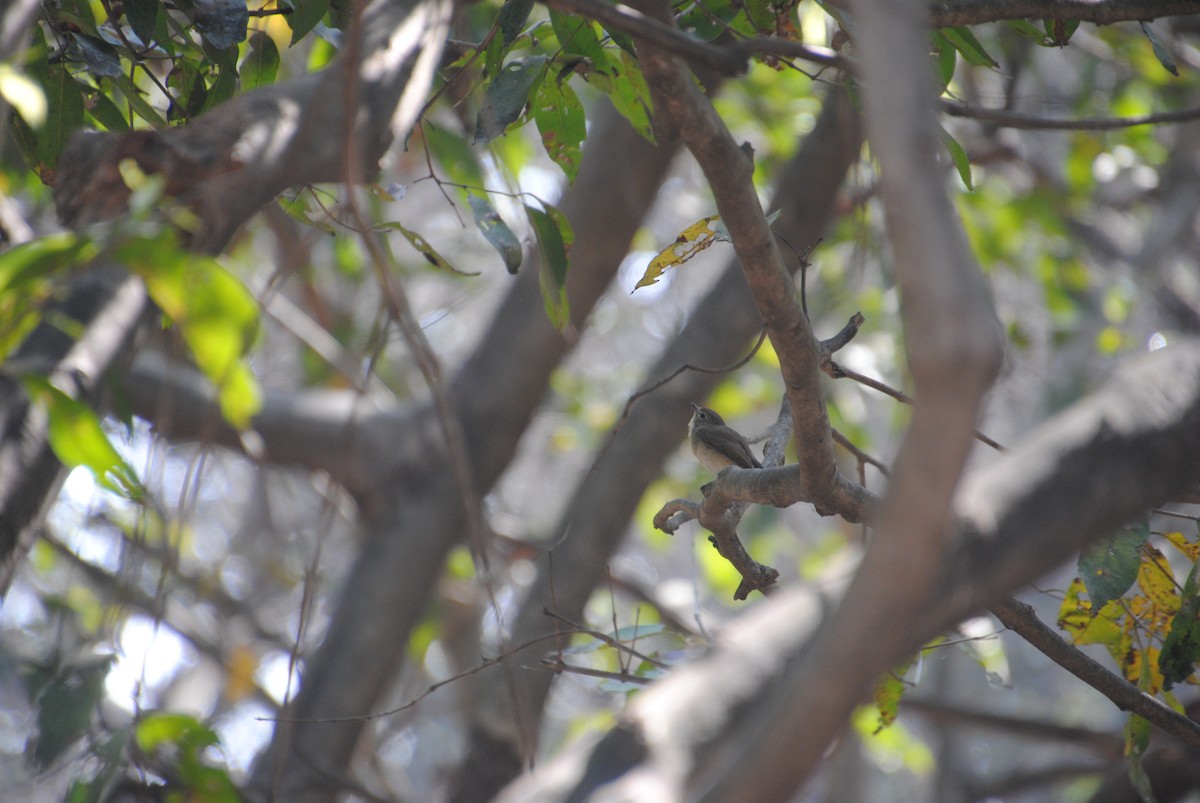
1020,618
716,333
240,155
1068,483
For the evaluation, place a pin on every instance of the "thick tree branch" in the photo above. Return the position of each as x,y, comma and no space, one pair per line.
716,334
1101,12
733,59
239,156
728,170
341,432
1069,483
419,516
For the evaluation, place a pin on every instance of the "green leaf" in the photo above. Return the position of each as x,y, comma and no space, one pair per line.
1160,50
225,86
133,96
101,109
1181,648
965,42
25,281
216,314
554,243
1137,739
64,115
1110,567
158,729
222,23
261,63
143,17
511,20
560,121
1060,31
1029,30
66,701
305,16
100,58
179,741
454,154
496,231
762,15
78,439
41,257
631,96
577,37
426,250
707,20
959,156
947,59
507,95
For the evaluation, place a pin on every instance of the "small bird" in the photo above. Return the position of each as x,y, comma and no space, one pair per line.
716,444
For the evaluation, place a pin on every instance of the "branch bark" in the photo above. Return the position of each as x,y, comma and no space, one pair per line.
417,516
1128,447
602,504
243,153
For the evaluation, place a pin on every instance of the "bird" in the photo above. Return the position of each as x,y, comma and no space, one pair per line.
716,444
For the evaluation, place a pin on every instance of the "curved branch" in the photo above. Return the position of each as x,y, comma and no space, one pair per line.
716,334
1069,483
679,104
341,432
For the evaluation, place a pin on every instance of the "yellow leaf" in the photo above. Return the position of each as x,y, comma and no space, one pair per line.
1189,548
1076,612
1140,668
691,241
1157,580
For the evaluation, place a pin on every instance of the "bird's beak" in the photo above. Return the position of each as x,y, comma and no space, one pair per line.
695,407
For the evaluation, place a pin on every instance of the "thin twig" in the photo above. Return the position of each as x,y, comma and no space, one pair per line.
1011,119
839,371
